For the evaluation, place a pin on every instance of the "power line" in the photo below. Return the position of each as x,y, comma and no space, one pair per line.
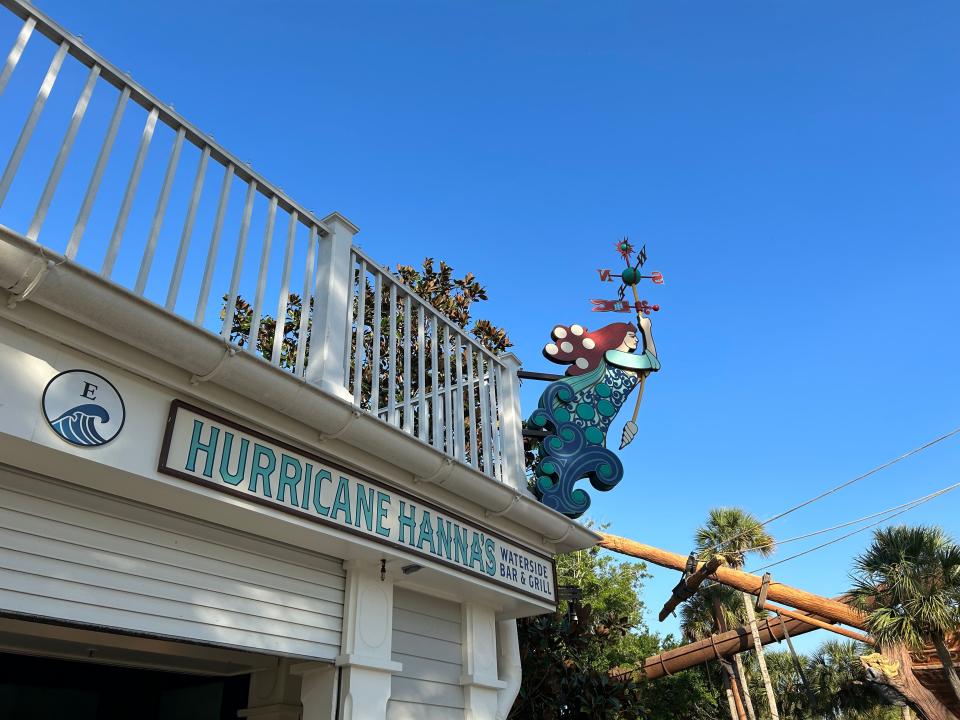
910,506
839,487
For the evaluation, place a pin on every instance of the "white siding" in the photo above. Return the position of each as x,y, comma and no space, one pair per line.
75,556
426,639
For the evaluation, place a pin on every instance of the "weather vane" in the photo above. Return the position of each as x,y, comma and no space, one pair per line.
576,411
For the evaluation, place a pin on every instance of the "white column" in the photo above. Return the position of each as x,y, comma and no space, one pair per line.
274,694
479,648
318,690
366,644
332,298
513,465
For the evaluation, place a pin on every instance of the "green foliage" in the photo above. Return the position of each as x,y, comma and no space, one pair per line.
693,694
610,583
243,321
698,614
732,532
453,297
562,675
908,583
567,656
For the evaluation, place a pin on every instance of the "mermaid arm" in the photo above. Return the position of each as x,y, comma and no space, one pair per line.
639,363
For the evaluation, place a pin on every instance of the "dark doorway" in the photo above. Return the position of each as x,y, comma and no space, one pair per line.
34,688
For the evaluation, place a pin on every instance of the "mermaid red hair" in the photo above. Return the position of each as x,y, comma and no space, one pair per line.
582,350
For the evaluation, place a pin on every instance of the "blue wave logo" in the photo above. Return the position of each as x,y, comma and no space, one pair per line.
79,425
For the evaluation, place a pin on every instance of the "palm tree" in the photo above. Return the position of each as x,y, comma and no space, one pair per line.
908,584
714,608
733,533
840,684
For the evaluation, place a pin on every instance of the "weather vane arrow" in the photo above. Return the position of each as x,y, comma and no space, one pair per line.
630,277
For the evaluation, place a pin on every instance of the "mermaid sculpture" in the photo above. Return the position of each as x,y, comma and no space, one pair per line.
577,411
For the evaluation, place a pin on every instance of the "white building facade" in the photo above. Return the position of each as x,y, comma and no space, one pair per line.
332,525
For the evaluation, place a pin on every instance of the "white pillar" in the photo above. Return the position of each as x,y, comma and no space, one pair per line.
274,694
367,642
318,690
332,300
513,465
479,654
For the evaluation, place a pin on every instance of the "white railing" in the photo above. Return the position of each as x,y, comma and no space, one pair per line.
415,369
117,181
207,237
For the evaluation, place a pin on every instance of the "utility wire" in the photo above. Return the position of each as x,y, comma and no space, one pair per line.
910,506
839,487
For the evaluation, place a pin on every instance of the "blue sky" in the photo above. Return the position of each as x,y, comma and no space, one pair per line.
792,168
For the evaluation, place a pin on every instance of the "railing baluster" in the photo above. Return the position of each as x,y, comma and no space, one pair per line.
498,371
160,211
461,435
28,127
421,371
16,51
435,412
230,308
262,277
282,304
174,289
358,352
407,370
305,303
214,246
482,399
392,365
114,247
471,412
451,424
87,205
377,339
40,214
352,282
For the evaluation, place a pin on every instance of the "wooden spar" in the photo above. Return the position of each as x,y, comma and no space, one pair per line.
852,634
892,666
687,587
833,610
725,644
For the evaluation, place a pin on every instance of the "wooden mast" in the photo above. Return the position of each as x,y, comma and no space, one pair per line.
891,666
716,647
833,610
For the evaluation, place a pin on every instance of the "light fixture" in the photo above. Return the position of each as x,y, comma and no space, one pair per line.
411,569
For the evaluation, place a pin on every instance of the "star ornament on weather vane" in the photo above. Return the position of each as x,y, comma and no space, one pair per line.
605,366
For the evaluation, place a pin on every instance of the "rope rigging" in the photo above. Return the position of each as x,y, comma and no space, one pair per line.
899,510
837,488
909,505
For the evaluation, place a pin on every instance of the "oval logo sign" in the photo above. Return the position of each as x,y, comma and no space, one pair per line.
83,408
